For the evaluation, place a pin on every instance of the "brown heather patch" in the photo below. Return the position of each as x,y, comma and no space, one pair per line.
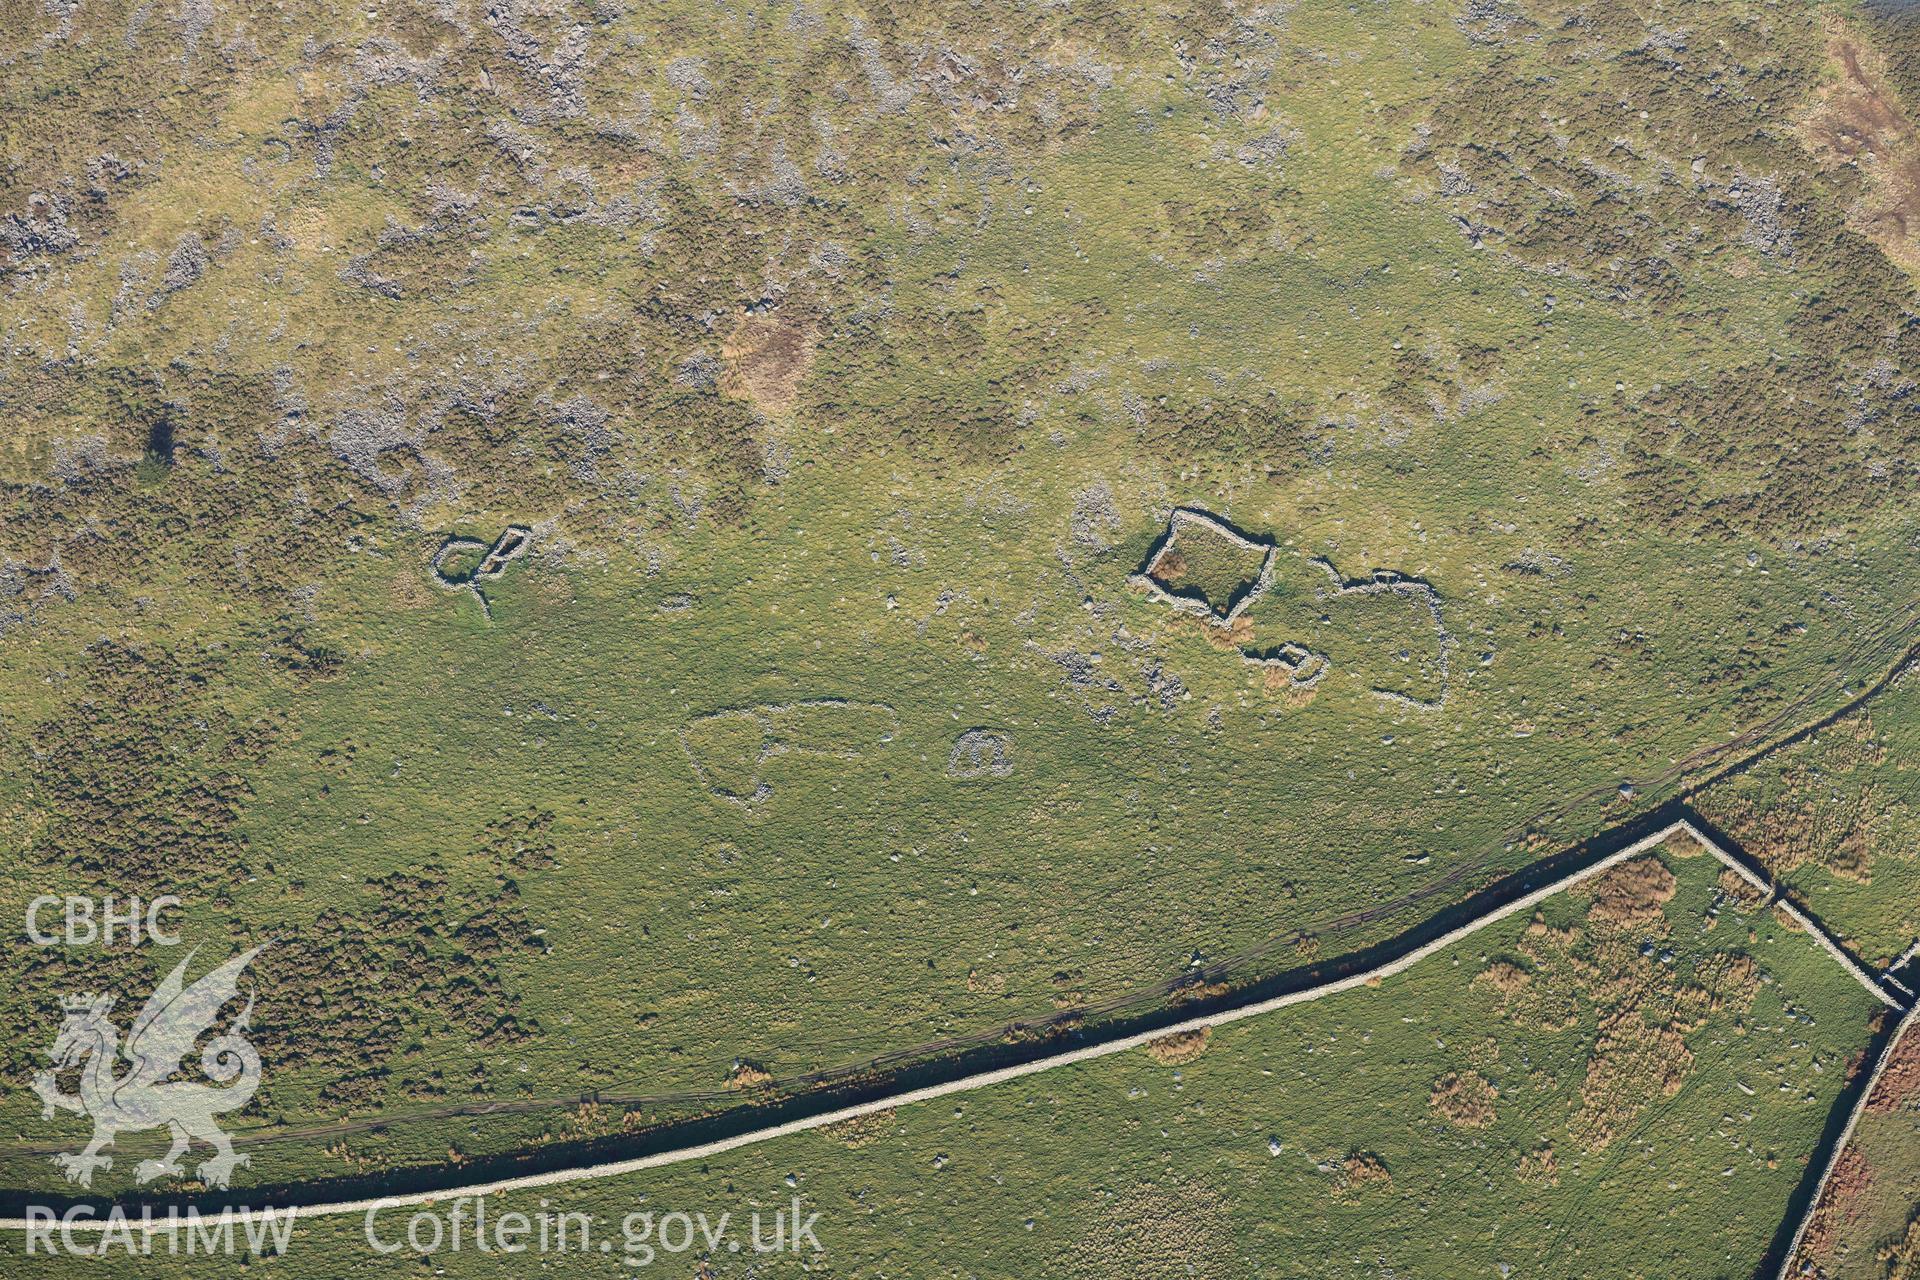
1539,1168
1725,984
1273,680
861,1131
1361,1171
342,995
991,983
362,1161
1464,1101
749,1075
1184,1046
589,1119
1645,1007
1230,638
1543,999
1504,977
1633,1064
555,590
1198,991
1539,928
1683,846
1820,802
151,761
1740,891
407,589
1632,893
1852,858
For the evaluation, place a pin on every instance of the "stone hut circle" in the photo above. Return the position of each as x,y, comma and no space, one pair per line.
729,749
981,753
491,563
1204,566
1197,553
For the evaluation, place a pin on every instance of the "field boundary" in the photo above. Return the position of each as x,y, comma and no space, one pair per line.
1369,977
1792,1254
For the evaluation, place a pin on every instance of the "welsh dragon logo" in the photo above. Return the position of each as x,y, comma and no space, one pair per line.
143,1097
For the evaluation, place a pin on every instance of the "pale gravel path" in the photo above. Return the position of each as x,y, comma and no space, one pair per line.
1086,1053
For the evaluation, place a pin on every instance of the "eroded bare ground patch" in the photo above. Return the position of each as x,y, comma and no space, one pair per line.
1859,122
767,356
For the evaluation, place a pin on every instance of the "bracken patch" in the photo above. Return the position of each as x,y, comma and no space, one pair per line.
1361,1171
1899,1086
1539,1168
1633,1064
1632,893
1184,1046
1839,1204
1464,1100
1902,1256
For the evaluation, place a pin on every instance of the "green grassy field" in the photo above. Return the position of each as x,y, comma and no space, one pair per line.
1837,819
862,905
1640,1103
